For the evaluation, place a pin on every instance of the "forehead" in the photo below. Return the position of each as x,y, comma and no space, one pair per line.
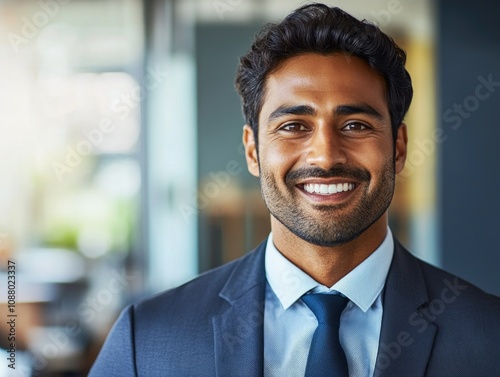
324,82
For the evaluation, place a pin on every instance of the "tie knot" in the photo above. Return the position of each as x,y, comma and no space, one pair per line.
326,307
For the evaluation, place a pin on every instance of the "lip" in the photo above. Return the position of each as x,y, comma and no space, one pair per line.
330,199
326,181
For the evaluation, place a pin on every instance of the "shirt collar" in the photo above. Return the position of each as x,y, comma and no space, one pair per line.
362,285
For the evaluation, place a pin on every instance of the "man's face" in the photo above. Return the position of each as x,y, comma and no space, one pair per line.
326,157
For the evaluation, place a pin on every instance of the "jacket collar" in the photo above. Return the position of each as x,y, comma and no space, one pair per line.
406,337
238,329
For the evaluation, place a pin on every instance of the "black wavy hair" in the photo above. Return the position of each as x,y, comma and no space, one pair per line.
317,28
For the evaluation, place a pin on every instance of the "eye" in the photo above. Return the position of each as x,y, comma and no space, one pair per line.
355,126
294,127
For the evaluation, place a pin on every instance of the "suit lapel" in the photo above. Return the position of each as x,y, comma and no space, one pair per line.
406,337
238,329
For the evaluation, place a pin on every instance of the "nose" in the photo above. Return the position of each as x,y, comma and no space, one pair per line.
326,148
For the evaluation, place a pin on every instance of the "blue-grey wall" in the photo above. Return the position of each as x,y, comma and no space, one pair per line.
220,126
220,121
469,171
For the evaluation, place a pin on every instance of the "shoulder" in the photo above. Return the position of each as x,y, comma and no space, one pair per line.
466,318
204,291
157,334
452,299
444,285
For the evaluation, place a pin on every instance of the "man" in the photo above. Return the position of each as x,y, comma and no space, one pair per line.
324,96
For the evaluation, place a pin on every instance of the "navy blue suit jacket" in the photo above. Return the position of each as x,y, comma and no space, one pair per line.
433,324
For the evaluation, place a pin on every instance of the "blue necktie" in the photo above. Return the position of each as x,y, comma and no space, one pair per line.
326,356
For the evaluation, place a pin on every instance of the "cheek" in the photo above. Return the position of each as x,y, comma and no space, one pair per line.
278,158
374,157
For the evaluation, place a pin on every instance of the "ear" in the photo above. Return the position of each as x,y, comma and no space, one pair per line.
250,150
401,147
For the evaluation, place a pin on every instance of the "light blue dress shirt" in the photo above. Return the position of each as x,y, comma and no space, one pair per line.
289,324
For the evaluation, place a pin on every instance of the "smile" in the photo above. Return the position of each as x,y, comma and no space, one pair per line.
323,189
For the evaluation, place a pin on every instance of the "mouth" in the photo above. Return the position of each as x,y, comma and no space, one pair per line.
323,191
328,189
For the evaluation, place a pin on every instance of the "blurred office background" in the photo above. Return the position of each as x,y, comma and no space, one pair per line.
122,169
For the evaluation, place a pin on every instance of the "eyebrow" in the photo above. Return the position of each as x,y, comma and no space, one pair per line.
358,109
291,110
341,110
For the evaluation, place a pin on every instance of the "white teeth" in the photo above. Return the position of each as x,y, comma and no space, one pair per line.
315,188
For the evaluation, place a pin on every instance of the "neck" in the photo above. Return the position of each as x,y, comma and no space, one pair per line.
326,264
